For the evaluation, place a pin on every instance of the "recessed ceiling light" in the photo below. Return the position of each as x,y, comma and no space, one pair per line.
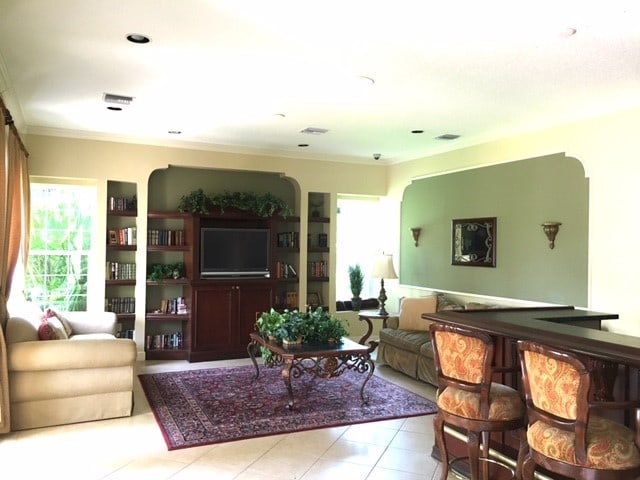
138,38
568,32
448,136
115,109
175,132
417,131
303,144
281,115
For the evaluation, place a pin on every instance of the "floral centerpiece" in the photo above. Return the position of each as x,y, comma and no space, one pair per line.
291,327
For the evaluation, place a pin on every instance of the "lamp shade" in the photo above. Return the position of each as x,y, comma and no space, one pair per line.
383,267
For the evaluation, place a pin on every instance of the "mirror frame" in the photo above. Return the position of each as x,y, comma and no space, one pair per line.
478,232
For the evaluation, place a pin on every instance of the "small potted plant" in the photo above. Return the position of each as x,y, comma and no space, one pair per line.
356,282
268,324
292,330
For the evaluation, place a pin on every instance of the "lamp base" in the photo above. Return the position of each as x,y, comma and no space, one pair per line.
382,298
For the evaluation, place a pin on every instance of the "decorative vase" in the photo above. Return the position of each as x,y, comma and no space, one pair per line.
356,303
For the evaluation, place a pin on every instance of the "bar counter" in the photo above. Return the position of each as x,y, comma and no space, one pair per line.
614,358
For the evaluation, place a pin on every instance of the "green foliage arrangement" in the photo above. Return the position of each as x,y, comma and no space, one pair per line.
317,326
161,271
263,205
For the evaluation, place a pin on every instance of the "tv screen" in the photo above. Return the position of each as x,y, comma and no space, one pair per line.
229,252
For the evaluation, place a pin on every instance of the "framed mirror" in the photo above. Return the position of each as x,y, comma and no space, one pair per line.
473,242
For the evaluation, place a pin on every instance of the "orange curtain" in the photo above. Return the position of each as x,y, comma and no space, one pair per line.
14,234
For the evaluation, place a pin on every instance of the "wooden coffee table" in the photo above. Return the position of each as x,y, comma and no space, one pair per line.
322,361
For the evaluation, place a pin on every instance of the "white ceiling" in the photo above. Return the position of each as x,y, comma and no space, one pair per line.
248,75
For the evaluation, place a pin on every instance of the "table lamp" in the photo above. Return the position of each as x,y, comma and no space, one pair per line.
383,268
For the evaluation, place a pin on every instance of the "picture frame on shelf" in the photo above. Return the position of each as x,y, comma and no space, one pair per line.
113,237
314,300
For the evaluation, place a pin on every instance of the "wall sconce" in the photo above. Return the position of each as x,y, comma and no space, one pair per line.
551,230
416,234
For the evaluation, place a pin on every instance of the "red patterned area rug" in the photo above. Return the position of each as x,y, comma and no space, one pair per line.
201,407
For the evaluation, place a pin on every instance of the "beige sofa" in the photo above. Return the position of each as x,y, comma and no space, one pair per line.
87,376
405,345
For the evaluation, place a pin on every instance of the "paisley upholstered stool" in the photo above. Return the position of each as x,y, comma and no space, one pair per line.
468,400
564,435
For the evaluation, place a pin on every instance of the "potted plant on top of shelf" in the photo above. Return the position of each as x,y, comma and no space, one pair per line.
356,282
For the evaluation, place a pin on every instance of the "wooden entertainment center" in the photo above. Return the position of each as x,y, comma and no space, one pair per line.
220,312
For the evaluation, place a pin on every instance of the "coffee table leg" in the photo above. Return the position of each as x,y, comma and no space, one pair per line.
372,366
252,349
286,376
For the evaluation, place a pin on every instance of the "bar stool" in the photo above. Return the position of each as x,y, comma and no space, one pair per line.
563,435
469,400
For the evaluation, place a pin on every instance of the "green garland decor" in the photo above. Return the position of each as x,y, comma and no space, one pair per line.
263,205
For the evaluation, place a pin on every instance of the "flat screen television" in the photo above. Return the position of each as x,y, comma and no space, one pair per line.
235,252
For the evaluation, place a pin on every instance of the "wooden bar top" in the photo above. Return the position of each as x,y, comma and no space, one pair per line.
554,326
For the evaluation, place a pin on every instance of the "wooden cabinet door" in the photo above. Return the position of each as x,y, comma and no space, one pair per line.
215,311
253,299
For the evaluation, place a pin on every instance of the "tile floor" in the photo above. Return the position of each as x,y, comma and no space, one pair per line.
133,447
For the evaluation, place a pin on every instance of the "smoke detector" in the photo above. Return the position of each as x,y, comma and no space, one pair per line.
314,130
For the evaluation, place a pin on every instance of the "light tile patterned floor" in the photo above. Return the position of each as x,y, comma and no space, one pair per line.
133,448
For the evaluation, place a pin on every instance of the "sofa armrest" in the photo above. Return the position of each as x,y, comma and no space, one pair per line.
70,354
393,322
91,322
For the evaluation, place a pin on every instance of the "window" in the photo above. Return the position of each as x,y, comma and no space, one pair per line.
60,245
357,242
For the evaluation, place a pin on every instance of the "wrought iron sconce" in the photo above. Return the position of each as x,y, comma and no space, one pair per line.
416,234
551,230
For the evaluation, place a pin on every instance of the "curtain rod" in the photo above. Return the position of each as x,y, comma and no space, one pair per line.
8,120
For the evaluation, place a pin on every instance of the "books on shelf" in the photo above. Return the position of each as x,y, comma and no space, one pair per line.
165,237
121,204
123,236
163,341
120,271
285,270
173,306
120,304
288,240
317,268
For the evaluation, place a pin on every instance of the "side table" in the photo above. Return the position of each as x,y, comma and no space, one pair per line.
368,316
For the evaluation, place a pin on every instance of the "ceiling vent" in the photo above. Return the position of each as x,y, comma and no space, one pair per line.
118,99
448,136
314,130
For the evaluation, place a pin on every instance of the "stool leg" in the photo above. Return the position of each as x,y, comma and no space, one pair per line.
474,454
438,430
485,454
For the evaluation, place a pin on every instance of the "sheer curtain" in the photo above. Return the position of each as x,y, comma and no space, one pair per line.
14,233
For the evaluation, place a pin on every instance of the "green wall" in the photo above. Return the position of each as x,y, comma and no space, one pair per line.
167,186
521,195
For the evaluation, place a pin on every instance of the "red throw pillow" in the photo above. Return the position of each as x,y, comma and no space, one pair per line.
51,329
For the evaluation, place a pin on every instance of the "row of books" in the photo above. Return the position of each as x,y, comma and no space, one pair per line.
123,236
130,333
292,240
121,204
120,271
285,270
288,239
120,304
165,237
167,341
317,268
173,306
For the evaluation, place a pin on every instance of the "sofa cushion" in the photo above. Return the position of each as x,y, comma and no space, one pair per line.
405,339
411,309
51,329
